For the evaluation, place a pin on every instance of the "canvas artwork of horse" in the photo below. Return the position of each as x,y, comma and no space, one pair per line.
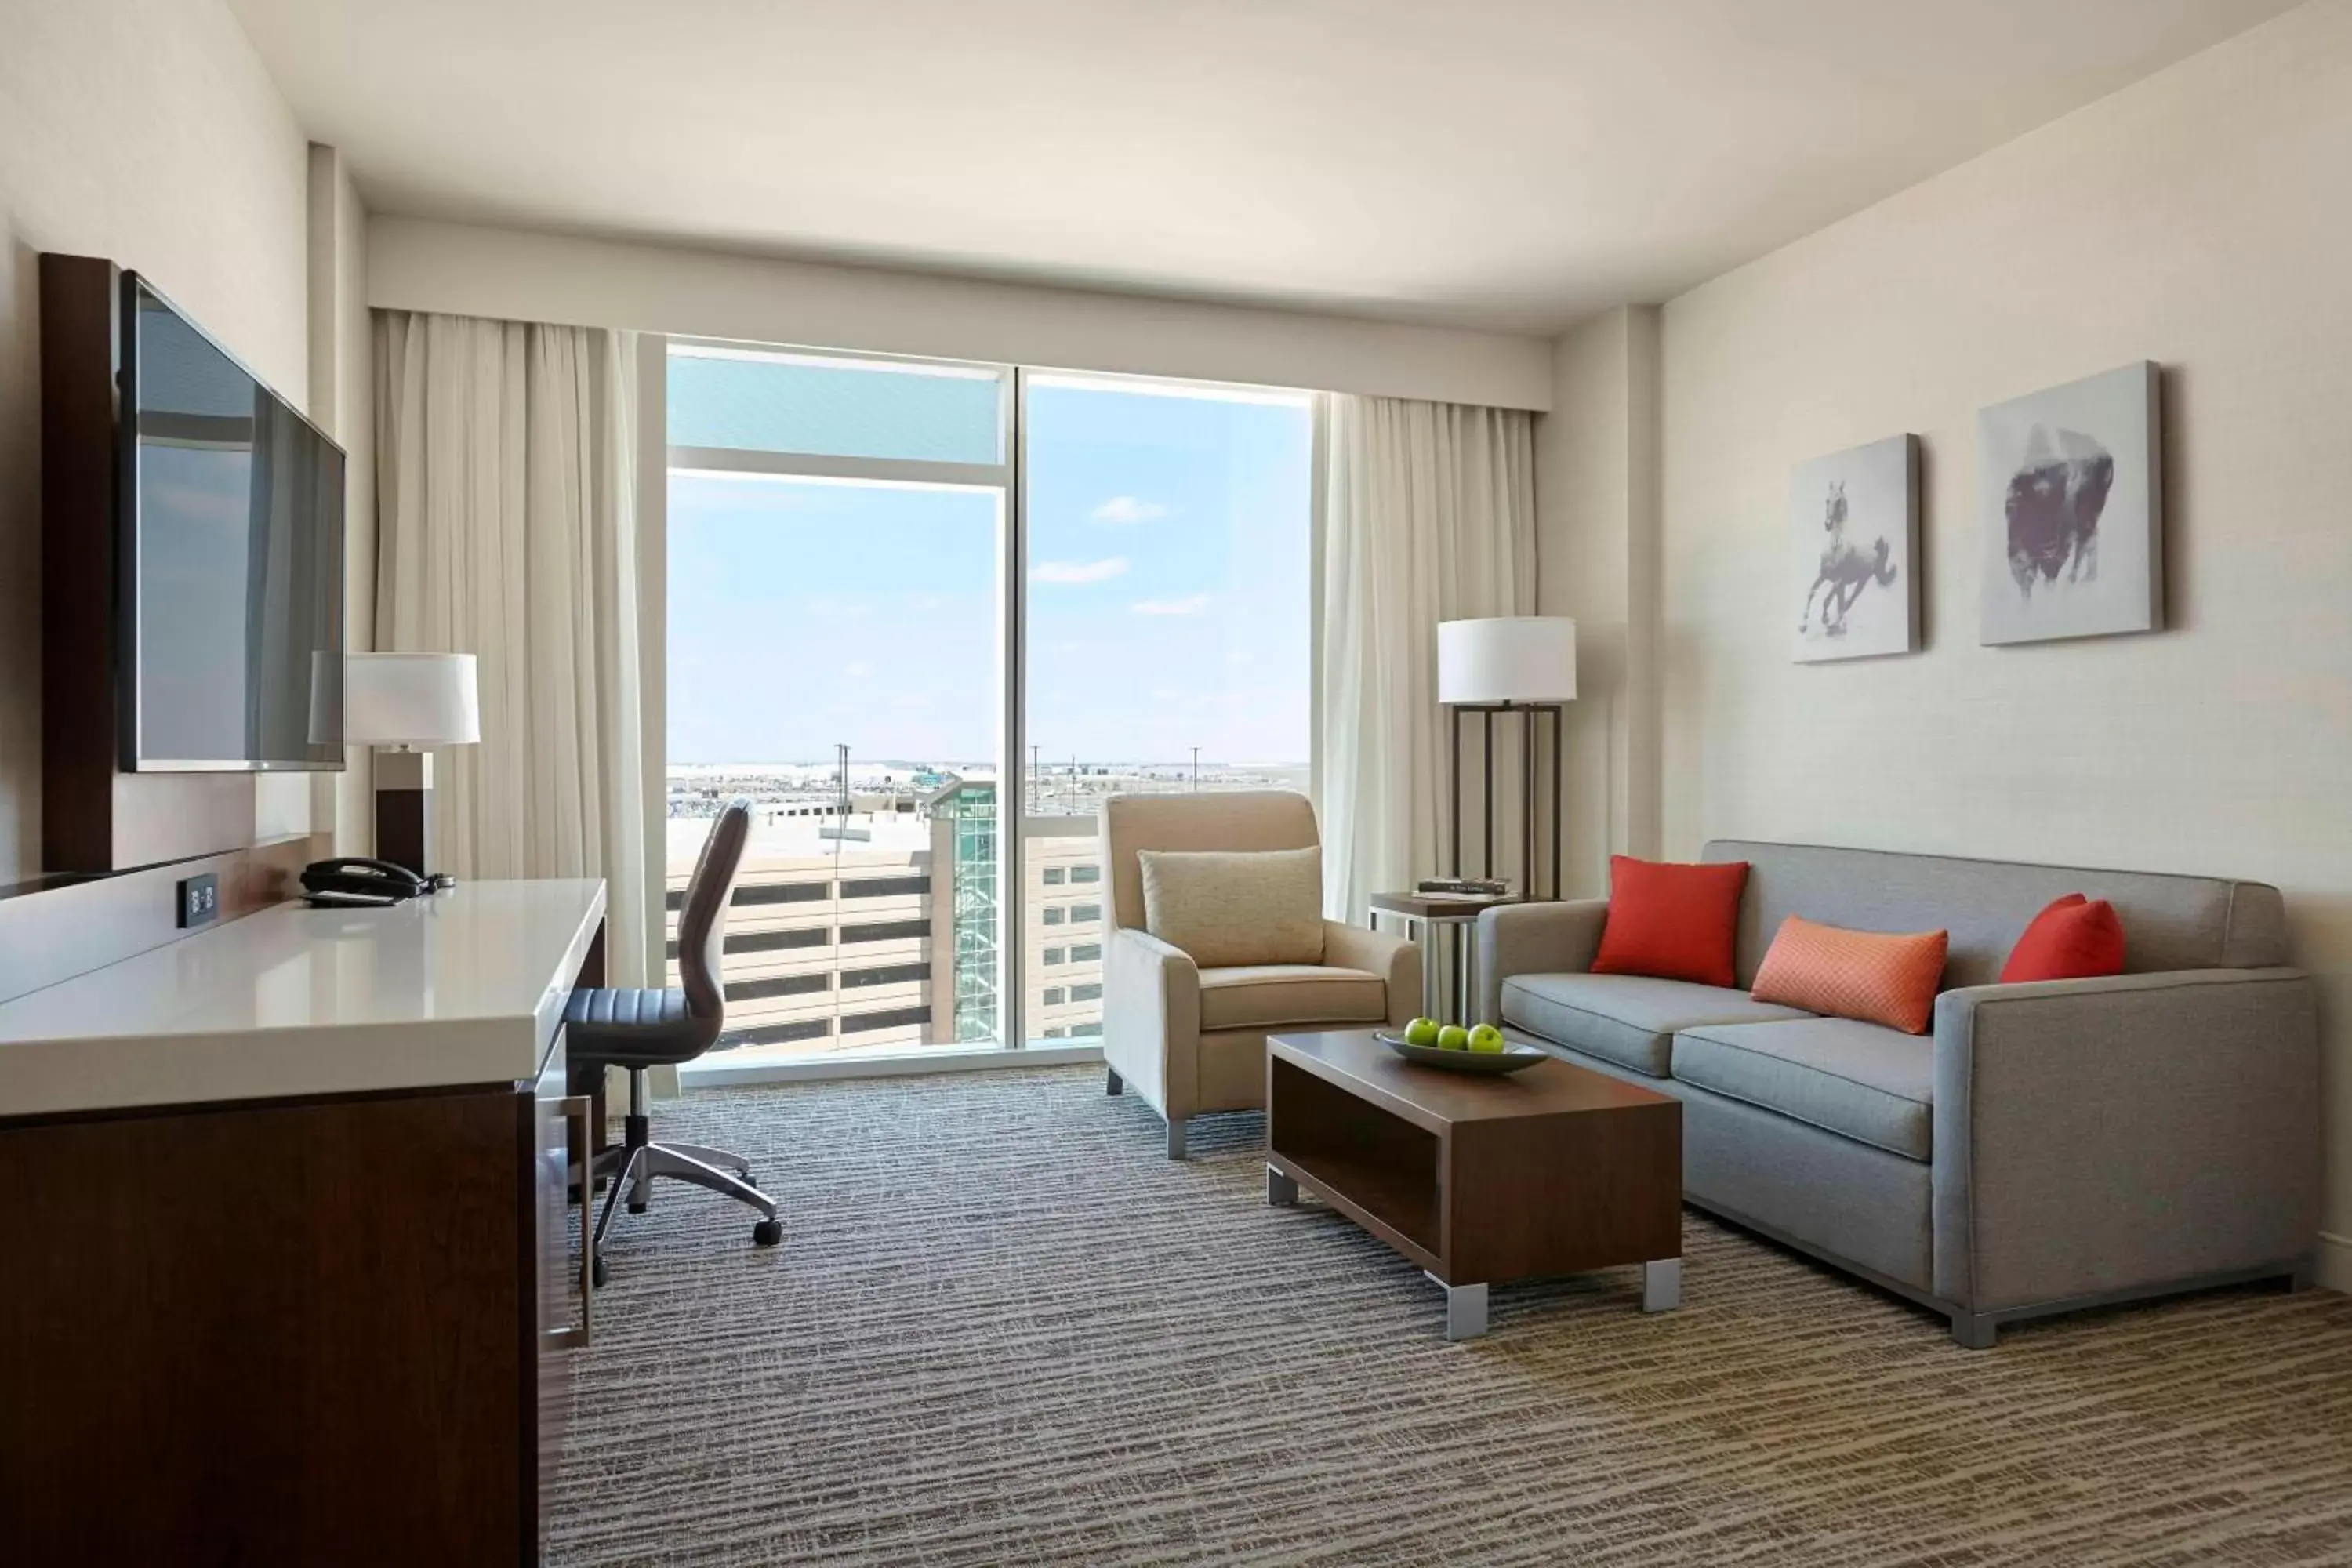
1853,552
1847,571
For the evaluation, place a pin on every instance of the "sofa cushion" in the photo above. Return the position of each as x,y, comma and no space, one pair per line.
1272,995
1629,1020
1231,909
1864,1082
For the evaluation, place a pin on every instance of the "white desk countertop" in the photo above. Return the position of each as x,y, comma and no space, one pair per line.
461,987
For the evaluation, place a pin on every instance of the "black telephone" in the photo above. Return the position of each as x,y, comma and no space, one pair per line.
354,879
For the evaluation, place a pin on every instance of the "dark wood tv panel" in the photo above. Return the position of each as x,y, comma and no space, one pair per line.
291,1278
95,817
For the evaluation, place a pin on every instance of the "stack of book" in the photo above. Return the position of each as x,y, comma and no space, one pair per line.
1462,888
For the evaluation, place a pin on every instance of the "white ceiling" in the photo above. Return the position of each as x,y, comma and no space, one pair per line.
1506,164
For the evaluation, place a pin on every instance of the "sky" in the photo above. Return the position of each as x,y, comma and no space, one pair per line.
1167,576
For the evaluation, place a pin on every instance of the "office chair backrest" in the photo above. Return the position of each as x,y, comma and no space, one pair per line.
702,920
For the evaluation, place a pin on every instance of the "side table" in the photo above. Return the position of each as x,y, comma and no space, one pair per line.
1423,917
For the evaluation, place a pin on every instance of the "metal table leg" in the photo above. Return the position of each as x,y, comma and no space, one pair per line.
1465,955
1661,1285
1465,1309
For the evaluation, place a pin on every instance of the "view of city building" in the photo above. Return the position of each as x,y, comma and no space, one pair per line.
884,937
838,592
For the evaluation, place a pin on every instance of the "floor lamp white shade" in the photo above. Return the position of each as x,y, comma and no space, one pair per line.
1507,659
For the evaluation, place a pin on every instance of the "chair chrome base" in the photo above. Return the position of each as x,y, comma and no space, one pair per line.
633,1167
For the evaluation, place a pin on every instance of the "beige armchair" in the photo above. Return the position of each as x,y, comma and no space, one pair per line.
1191,1040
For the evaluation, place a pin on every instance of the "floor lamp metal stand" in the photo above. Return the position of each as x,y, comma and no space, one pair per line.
1532,715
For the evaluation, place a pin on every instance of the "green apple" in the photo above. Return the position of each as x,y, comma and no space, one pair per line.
1454,1037
1486,1038
1420,1032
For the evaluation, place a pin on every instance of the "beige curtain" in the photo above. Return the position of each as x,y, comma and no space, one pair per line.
1428,515
506,506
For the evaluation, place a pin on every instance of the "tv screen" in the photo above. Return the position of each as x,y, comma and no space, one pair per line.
233,559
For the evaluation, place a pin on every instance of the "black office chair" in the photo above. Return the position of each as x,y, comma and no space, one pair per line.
649,1027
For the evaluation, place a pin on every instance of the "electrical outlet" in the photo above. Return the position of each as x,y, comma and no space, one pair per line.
199,900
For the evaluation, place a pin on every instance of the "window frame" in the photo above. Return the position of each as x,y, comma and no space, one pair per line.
658,460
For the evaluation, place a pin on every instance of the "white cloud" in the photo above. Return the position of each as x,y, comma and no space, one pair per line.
1077,571
1121,509
1190,604
857,671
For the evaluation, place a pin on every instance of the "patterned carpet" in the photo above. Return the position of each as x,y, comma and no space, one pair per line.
1004,1329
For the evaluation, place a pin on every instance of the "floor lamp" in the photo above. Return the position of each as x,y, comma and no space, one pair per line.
1509,664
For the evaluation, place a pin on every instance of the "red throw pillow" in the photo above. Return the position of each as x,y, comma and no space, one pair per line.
1672,922
2075,938
1867,974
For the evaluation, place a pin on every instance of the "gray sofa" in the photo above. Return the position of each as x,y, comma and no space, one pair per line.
2049,1146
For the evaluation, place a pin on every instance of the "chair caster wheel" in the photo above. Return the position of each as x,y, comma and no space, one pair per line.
597,1271
637,1209
767,1233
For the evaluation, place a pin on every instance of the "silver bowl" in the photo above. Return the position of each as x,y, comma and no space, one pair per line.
1510,1058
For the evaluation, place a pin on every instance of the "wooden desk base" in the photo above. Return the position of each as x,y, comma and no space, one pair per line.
323,1329
272,1333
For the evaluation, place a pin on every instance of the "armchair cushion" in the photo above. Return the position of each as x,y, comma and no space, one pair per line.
1230,908
1276,995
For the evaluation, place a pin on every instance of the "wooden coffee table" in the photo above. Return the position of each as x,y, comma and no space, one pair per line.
1551,1170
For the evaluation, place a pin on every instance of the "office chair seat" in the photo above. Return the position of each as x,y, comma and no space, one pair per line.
627,1026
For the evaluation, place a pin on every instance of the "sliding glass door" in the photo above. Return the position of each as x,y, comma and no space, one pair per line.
925,615
1168,534
837,650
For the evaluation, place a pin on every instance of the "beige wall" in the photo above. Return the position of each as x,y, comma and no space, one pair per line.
420,265
2200,219
146,132
343,367
1596,561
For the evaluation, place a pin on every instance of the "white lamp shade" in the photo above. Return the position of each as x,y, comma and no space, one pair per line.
1507,659
410,700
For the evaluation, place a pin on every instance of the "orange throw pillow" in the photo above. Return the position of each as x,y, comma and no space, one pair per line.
1864,974
1672,922
2075,938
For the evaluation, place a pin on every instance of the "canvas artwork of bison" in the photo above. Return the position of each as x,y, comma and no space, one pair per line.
2071,514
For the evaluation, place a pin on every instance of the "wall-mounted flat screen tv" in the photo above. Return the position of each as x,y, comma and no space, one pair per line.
232,552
